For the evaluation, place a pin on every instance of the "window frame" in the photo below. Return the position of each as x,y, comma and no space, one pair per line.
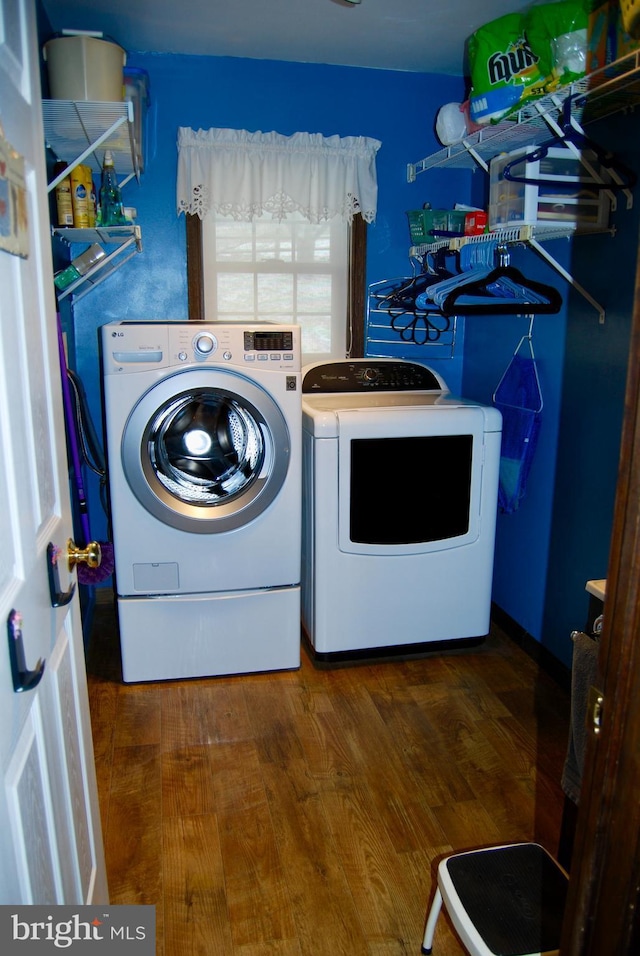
356,273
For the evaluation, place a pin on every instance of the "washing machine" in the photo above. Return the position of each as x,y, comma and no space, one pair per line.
400,488
203,424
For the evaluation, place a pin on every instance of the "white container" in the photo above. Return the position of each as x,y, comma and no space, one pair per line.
85,68
566,196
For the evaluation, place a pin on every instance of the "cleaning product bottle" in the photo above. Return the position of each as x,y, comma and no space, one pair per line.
111,212
79,198
91,196
79,266
64,206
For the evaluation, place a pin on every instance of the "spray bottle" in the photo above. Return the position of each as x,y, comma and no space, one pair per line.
111,212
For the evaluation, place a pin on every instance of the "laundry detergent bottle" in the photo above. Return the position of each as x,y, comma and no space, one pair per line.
111,211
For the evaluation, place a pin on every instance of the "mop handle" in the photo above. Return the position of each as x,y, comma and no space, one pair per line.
73,442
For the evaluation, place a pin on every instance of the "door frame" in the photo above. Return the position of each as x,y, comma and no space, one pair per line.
602,913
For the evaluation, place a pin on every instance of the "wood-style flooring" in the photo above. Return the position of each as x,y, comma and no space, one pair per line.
303,813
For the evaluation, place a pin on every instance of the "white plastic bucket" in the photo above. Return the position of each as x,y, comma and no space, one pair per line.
85,68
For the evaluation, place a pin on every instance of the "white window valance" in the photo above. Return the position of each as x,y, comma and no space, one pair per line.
244,174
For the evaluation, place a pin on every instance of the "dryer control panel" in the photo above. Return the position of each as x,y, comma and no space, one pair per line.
367,375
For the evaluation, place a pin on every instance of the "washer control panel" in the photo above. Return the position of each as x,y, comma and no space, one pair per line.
205,344
134,346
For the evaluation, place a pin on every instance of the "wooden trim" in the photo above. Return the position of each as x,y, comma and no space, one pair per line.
357,290
543,657
603,901
195,268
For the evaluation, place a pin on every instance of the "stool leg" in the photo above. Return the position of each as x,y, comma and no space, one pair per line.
432,919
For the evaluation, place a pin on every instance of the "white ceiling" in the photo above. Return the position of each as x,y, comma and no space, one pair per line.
425,36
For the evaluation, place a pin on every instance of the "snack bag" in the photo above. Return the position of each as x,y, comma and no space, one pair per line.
504,69
557,34
601,34
627,28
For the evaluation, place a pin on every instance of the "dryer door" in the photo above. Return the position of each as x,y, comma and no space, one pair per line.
206,450
410,479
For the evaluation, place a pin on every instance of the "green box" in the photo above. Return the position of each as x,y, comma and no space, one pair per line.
422,222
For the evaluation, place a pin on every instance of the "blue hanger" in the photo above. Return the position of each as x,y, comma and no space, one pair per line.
622,176
476,260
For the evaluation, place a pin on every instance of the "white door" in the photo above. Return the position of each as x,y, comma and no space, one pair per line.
50,839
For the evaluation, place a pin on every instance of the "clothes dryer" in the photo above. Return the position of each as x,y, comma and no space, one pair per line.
400,485
203,428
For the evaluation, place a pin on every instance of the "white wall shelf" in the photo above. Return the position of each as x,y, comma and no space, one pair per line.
613,89
504,235
122,243
80,132
531,236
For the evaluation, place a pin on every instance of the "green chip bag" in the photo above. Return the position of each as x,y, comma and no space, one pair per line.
557,34
504,69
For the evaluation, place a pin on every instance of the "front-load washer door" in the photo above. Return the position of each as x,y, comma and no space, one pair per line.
410,479
206,450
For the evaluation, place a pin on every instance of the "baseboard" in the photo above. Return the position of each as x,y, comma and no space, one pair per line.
549,663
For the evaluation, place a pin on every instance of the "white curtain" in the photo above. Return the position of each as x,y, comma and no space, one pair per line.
246,174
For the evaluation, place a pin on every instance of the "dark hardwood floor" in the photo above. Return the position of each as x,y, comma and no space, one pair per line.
304,813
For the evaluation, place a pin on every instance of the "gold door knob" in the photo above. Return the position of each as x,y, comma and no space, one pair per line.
91,555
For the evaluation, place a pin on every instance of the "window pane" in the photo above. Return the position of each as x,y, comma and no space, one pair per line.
290,272
233,243
313,242
273,241
314,293
235,292
316,335
275,294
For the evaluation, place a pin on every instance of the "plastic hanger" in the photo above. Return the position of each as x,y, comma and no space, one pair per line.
502,291
403,296
622,177
476,260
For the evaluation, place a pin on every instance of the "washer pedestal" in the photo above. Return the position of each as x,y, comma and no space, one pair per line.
196,635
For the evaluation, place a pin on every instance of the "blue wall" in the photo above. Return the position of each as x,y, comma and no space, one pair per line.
559,537
522,538
397,108
595,371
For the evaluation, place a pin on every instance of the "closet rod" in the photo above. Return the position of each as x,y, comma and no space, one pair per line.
524,235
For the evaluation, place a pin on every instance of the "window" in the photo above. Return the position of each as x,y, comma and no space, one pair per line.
356,280
285,267
291,271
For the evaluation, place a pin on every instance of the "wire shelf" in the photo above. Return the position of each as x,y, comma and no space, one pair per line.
613,89
82,131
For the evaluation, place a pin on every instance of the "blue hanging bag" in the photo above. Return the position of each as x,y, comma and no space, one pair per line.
519,398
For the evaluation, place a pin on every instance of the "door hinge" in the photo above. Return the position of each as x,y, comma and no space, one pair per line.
595,703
